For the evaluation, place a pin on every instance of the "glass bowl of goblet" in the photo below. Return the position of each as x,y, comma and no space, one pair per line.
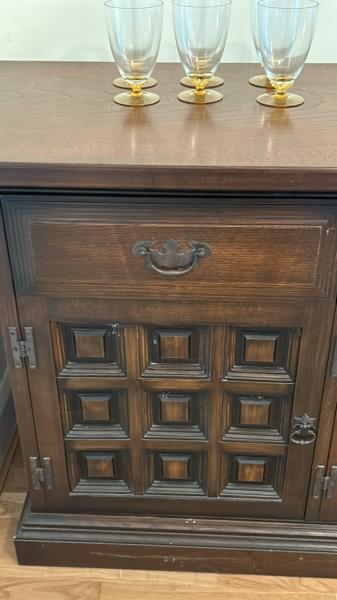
286,29
257,80
201,29
134,29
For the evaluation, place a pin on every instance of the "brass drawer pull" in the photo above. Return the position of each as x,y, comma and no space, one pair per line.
304,430
172,260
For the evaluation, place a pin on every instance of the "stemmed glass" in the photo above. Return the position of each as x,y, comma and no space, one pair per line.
201,29
134,29
286,29
257,80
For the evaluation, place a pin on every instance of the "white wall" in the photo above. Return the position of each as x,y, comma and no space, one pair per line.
75,30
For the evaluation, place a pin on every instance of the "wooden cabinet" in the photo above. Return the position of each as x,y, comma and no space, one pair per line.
173,362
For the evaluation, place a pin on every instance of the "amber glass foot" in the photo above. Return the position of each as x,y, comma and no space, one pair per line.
261,81
213,82
123,84
207,98
277,101
143,99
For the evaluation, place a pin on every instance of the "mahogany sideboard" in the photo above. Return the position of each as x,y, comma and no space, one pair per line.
168,303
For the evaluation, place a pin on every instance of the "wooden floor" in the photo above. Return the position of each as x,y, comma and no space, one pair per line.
40,583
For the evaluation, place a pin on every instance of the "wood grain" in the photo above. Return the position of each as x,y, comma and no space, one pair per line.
235,144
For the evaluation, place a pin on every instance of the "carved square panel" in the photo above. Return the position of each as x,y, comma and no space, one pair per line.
254,412
95,408
100,466
175,467
249,417
252,477
260,348
95,413
89,344
175,414
174,345
250,469
175,352
175,409
261,354
84,349
99,471
175,473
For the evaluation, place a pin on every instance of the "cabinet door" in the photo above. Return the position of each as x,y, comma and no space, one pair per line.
176,408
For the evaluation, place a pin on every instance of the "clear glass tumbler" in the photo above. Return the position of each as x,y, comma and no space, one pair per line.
201,29
286,29
134,29
257,80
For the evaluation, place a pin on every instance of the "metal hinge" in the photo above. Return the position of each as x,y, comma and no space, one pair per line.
324,484
41,475
23,349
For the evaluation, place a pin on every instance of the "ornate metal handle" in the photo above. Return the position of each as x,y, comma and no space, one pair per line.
304,430
172,260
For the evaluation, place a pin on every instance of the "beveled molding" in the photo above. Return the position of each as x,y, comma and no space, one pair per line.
177,544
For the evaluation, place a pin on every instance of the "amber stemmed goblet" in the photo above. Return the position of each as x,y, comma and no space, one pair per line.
257,80
201,29
286,29
134,29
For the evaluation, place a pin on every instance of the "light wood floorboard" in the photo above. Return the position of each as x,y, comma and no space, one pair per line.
44,583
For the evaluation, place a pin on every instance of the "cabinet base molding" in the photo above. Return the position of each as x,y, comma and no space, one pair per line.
177,544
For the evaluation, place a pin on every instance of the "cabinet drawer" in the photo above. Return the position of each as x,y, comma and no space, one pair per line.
69,247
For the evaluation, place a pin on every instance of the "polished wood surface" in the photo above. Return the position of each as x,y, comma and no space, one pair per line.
60,127
45,583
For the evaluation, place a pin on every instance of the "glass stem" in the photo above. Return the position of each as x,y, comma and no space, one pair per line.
136,90
200,85
282,88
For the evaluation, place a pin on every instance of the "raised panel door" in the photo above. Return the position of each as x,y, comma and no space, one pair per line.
189,411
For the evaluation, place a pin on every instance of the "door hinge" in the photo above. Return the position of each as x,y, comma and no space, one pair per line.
23,349
324,484
41,475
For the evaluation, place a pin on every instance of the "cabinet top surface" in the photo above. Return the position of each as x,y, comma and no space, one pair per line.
59,125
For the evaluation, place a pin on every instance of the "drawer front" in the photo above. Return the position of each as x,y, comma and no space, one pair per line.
150,251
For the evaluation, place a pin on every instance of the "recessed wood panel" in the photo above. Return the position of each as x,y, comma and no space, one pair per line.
95,413
89,344
175,467
252,477
100,466
86,349
175,473
175,409
261,354
255,413
172,352
95,409
251,470
260,348
256,417
174,345
175,414
98,471
84,249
